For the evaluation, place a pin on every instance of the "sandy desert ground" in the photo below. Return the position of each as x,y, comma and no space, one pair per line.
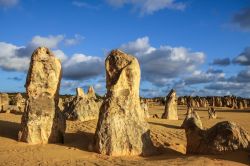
166,135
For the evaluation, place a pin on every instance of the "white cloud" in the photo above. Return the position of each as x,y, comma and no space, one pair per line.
73,41
75,67
9,60
148,6
159,65
50,41
60,54
17,58
80,66
138,47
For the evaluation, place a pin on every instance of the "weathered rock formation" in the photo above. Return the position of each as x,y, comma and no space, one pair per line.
91,93
171,106
19,102
83,109
144,107
4,102
189,109
80,92
223,137
122,129
194,117
211,113
42,122
61,104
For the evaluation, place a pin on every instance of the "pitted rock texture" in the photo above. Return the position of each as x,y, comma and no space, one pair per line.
122,129
42,122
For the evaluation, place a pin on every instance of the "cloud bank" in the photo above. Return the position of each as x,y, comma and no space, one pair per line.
160,65
75,67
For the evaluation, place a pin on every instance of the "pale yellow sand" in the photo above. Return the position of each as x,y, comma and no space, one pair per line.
166,135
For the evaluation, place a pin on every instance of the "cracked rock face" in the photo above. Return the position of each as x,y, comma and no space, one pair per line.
42,122
171,106
122,129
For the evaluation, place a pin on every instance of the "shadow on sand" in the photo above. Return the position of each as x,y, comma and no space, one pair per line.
9,129
80,140
166,125
238,157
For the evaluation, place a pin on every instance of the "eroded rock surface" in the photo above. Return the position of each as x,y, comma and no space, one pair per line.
80,92
4,102
83,109
144,107
223,137
91,93
42,122
212,113
195,118
19,102
171,106
122,129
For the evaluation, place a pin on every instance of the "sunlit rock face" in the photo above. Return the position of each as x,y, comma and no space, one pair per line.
42,122
144,107
19,101
122,129
83,109
171,106
194,117
4,102
91,93
79,92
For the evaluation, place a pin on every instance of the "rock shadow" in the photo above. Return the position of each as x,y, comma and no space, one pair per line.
150,150
166,125
9,129
80,140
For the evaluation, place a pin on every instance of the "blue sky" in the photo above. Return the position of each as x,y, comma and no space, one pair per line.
197,47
